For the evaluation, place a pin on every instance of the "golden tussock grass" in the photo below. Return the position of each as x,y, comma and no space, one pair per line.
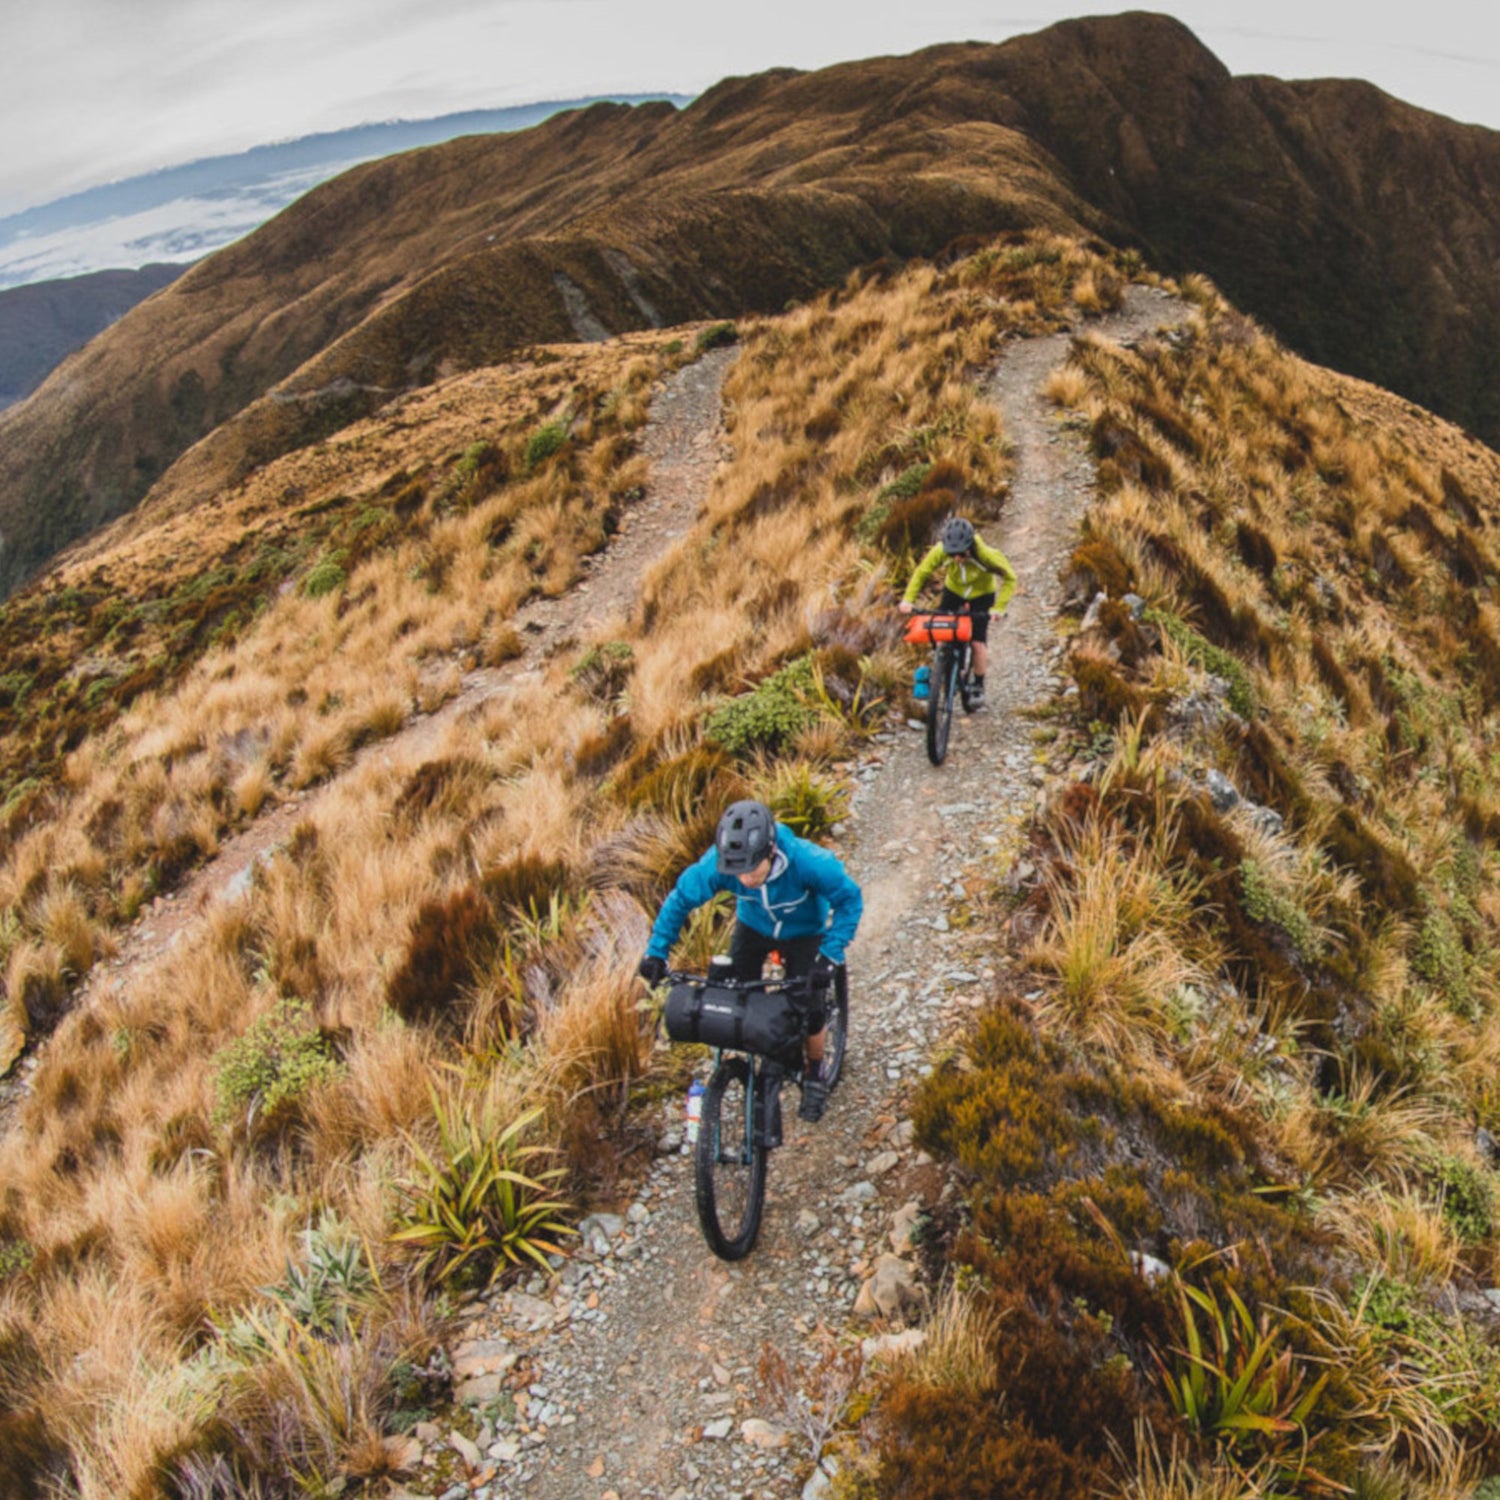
308,680
594,1039
1116,942
1066,386
1324,974
1399,1233
331,918
960,1349
1176,1476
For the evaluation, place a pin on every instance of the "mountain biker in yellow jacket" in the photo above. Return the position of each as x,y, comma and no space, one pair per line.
968,585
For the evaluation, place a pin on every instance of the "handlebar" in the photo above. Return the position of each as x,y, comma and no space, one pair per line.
802,984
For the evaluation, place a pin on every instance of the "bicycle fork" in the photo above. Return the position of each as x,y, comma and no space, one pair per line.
767,1120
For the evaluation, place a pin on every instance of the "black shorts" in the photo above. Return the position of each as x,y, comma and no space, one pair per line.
748,949
952,604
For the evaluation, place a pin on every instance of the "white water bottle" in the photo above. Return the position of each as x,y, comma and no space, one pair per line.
694,1111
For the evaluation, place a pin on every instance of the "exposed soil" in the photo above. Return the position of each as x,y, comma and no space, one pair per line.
640,1362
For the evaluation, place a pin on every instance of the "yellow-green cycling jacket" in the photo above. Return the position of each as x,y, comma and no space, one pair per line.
969,576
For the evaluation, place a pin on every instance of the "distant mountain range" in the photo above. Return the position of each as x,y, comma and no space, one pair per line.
41,324
182,213
1364,231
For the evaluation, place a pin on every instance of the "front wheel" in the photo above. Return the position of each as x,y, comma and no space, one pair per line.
940,704
730,1165
836,1038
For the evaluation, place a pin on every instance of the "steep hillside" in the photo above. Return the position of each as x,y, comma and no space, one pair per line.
472,904
1214,1209
40,324
1362,229
1231,1116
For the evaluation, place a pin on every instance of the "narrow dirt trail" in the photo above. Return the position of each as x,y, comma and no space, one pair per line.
642,1361
683,440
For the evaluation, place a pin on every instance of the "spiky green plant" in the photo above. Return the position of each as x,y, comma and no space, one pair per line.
472,1202
804,799
1234,1378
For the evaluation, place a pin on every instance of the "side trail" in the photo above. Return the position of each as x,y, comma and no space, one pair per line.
638,1368
683,441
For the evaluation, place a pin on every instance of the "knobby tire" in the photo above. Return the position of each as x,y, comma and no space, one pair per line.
966,681
940,704
837,1038
730,1164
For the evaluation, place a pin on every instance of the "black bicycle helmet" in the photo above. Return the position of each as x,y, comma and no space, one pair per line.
957,536
746,837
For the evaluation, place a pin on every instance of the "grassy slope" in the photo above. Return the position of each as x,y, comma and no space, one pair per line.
1260,1057
483,906
1256,1048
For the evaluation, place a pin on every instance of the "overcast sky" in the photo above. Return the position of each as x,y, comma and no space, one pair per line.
95,90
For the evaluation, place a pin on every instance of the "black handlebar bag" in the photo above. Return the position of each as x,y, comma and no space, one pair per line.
765,1021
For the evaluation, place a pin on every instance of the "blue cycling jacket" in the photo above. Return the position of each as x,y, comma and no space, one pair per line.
809,893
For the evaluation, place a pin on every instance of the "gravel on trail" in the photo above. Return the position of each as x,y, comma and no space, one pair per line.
634,1372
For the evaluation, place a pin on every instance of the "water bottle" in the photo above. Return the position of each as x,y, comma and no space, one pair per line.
694,1111
922,683
775,967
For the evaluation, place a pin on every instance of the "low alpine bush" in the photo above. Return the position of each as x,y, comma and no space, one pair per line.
264,1075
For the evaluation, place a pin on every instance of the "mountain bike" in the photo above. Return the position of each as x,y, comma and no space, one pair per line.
952,679
741,1120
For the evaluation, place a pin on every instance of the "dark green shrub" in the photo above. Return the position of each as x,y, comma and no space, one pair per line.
16,1257
263,1076
905,484
775,712
1264,900
544,442
1438,956
325,577
716,336
1469,1199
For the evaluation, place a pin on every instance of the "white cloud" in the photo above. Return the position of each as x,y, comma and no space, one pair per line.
92,90
176,232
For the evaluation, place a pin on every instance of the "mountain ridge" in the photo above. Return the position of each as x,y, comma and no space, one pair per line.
204,204
766,189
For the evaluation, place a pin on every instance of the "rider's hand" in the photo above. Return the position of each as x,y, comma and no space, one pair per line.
821,974
906,606
652,969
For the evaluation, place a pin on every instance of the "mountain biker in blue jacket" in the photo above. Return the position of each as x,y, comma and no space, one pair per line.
791,896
